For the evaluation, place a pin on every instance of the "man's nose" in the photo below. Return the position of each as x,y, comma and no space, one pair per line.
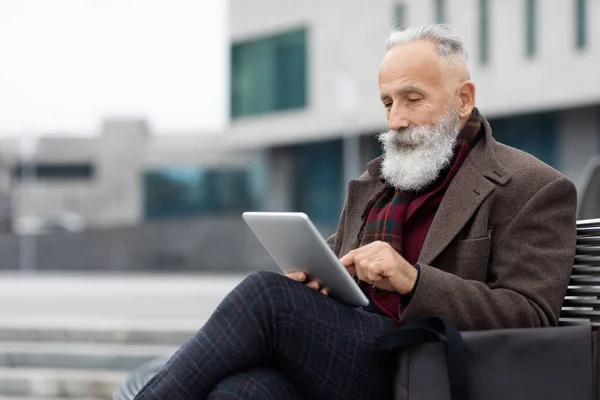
397,120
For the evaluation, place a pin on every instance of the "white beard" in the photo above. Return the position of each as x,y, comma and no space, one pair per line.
414,157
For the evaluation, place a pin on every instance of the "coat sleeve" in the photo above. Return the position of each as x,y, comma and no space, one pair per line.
528,273
335,241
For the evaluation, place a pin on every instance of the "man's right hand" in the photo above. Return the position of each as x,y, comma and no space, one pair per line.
302,278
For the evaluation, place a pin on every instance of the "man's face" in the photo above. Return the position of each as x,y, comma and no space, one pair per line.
423,116
414,86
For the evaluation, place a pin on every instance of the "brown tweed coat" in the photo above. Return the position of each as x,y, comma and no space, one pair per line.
500,249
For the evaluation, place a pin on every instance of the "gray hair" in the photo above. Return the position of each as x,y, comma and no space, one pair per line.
449,46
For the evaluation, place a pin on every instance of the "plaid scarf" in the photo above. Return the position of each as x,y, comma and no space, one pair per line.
392,215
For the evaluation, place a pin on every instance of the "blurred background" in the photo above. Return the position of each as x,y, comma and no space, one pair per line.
134,133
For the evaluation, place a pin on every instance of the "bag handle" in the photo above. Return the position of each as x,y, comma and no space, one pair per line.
427,330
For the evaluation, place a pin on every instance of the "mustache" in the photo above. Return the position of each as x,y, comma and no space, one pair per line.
411,136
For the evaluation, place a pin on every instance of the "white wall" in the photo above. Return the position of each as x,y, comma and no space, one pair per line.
67,64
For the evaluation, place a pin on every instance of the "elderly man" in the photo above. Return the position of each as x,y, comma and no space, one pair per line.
447,222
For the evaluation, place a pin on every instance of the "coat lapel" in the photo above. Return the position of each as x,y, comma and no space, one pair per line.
462,199
360,192
473,183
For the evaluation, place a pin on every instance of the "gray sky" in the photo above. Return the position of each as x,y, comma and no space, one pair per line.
66,64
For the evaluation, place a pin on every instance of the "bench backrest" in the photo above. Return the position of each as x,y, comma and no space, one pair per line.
582,301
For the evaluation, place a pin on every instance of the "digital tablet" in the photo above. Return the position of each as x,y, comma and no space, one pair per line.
295,245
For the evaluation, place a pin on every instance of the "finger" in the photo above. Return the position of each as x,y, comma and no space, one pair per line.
365,264
361,274
325,292
348,258
351,269
373,272
313,285
297,276
367,253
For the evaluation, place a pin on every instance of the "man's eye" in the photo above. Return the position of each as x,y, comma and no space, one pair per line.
414,100
387,105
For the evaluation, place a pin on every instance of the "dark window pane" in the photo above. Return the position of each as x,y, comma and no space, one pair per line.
484,31
269,74
54,171
290,71
580,24
530,27
440,11
534,133
400,16
318,180
370,148
182,192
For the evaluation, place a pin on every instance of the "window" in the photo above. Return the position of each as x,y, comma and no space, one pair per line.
530,27
400,16
484,31
81,171
318,189
440,11
370,148
580,24
269,74
191,191
536,134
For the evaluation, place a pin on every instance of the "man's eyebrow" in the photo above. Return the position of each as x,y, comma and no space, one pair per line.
411,89
404,90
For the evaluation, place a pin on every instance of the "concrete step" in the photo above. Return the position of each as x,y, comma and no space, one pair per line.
30,383
165,332
162,297
79,356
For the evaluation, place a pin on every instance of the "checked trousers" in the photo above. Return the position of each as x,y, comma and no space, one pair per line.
274,338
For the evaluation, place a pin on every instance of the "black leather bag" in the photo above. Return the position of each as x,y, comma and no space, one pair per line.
434,361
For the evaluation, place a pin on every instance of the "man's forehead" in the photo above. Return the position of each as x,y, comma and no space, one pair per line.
416,60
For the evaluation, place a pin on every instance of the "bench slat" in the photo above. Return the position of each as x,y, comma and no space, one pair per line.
584,280
587,260
588,222
588,250
586,322
583,292
592,240
581,303
580,314
588,231
585,270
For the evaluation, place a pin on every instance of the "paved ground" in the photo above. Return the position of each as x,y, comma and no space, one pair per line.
105,300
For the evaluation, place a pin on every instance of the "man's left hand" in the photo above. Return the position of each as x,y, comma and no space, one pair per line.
379,264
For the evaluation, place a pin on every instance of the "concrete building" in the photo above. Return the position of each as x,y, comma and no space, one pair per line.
305,111
71,183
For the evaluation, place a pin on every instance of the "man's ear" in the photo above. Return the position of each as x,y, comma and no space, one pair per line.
466,94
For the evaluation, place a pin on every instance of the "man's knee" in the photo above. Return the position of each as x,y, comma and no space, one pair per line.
264,277
265,283
271,290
